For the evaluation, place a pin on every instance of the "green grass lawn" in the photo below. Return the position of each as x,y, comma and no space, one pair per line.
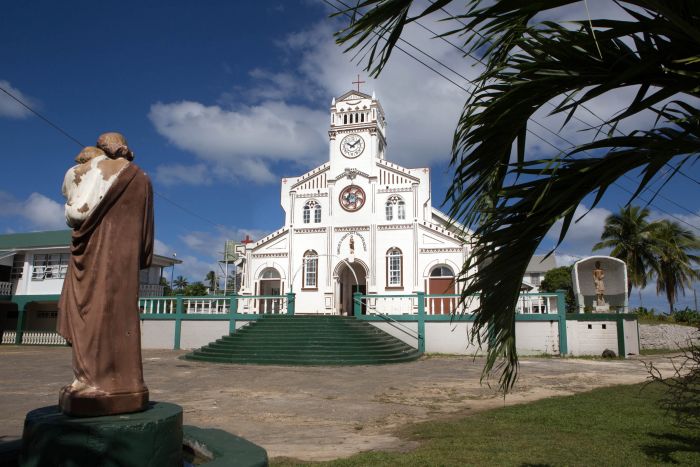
621,425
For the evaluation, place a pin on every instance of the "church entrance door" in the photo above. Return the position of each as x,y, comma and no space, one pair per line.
441,281
346,286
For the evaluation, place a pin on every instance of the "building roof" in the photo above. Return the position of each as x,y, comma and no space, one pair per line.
537,265
51,238
21,241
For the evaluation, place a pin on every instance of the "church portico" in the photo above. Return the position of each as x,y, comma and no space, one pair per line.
356,223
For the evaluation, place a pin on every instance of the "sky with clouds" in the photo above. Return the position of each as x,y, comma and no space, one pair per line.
219,102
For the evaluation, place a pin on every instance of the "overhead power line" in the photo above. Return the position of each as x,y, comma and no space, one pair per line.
472,84
79,143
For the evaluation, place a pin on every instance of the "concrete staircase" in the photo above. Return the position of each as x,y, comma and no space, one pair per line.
307,340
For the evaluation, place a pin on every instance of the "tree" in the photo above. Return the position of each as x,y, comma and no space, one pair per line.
167,291
212,281
196,289
180,284
632,239
511,201
674,270
560,279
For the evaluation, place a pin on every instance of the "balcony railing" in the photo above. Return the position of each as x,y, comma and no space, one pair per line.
151,290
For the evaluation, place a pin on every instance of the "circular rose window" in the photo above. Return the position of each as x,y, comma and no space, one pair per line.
352,198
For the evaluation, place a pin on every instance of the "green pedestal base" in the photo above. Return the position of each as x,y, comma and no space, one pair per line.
149,438
217,448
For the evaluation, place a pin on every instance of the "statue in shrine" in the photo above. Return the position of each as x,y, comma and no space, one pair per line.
110,208
599,283
352,245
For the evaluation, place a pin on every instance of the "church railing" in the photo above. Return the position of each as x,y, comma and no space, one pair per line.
451,304
215,305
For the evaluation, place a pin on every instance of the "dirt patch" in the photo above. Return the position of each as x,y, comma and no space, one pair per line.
313,413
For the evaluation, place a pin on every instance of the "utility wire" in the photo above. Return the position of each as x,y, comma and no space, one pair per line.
77,141
575,117
65,133
549,143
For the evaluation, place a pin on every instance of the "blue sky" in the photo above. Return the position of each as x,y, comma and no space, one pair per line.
221,100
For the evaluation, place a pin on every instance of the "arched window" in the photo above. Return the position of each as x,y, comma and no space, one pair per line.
316,208
345,119
394,268
270,273
395,202
362,117
441,271
310,269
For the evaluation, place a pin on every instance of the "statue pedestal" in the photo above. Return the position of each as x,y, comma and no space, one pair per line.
601,309
152,437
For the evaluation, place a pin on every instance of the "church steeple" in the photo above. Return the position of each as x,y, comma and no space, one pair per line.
358,130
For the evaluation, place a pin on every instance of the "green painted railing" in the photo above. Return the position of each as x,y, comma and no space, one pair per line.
421,308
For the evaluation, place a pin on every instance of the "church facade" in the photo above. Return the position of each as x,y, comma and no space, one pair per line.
356,223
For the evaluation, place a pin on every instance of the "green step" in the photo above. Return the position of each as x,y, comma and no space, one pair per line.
307,340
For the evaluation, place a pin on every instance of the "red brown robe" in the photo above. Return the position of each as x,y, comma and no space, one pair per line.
98,308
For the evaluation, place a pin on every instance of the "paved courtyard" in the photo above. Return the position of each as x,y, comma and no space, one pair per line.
312,413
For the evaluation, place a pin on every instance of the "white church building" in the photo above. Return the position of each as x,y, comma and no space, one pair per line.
356,223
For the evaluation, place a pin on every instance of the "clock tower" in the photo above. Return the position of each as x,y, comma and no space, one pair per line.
357,133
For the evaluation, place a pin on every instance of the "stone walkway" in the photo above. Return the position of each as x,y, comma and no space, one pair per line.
312,413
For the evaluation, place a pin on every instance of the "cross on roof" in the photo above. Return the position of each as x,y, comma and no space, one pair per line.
358,82
246,240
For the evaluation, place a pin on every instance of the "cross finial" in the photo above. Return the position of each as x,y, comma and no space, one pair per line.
358,82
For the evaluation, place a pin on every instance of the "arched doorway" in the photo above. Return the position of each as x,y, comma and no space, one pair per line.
441,281
346,285
270,284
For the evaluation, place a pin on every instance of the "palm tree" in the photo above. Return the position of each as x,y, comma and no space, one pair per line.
180,283
674,266
212,281
511,201
632,239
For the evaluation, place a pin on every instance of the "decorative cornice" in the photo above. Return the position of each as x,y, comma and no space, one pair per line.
352,228
310,230
311,195
441,250
350,173
394,226
270,255
395,190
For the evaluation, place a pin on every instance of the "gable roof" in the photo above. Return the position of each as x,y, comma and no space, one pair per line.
53,238
351,92
35,239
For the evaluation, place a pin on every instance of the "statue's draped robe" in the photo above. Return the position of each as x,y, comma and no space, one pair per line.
98,309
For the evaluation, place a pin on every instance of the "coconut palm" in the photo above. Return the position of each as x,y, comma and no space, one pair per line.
511,201
212,281
632,239
674,268
180,283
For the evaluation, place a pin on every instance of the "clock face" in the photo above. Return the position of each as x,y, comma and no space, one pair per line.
352,198
352,145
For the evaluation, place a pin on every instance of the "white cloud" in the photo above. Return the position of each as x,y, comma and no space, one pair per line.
244,141
11,108
250,129
211,244
38,210
161,248
581,236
